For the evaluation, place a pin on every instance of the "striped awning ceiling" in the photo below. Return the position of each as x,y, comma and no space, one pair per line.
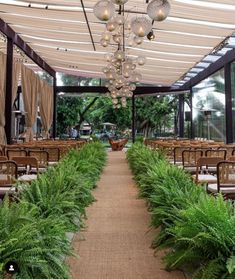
58,32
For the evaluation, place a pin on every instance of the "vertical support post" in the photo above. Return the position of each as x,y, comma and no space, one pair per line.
133,118
54,125
228,103
181,115
8,101
191,114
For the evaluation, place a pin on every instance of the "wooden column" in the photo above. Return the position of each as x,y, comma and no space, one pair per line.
228,103
8,101
181,115
133,118
191,115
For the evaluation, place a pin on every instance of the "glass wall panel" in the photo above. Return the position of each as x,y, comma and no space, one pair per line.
209,108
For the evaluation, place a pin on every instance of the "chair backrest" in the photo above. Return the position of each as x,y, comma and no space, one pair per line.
177,153
8,173
204,162
226,174
27,162
42,156
231,158
216,153
190,157
3,158
15,153
54,153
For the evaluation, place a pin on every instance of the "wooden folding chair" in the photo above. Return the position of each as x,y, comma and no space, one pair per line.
225,180
15,153
190,158
26,164
42,157
202,171
8,177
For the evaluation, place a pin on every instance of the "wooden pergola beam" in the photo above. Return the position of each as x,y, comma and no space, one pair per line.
20,43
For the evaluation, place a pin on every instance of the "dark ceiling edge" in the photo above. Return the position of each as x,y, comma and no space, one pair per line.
102,89
214,67
19,42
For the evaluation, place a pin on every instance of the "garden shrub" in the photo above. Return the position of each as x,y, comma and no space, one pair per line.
33,230
200,229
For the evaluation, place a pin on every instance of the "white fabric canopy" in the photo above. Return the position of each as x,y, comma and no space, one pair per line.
59,34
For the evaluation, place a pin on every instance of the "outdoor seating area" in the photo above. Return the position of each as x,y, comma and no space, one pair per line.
117,139
24,162
210,163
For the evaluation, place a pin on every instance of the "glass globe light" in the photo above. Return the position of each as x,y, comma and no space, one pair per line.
115,101
119,55
108,57
133,66
141,26
106,36
117,38
111,25
105,70
158,9
119,2
120,80
119,19
126,74
104,43
138,40
132,87
104,10
127,25
110,75
141,60
127,65
136,77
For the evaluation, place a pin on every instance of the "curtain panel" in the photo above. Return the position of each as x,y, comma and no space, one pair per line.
46,107
30,87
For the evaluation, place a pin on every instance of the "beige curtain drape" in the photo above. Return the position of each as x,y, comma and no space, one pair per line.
46,107
30,86
15,80
2,97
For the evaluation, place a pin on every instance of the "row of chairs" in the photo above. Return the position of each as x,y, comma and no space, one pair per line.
211,167
42,156
56,148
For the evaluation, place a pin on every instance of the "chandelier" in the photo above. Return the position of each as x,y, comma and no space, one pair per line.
121,70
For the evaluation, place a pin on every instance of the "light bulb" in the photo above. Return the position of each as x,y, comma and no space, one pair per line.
104,10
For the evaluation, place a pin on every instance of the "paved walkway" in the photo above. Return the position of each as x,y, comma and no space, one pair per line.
116,244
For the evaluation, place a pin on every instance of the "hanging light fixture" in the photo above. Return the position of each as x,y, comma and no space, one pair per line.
158,9
104,10
121,69
119,2
151,35
141,26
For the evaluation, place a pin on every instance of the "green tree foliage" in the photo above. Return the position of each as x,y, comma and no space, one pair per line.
155,113
103,111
